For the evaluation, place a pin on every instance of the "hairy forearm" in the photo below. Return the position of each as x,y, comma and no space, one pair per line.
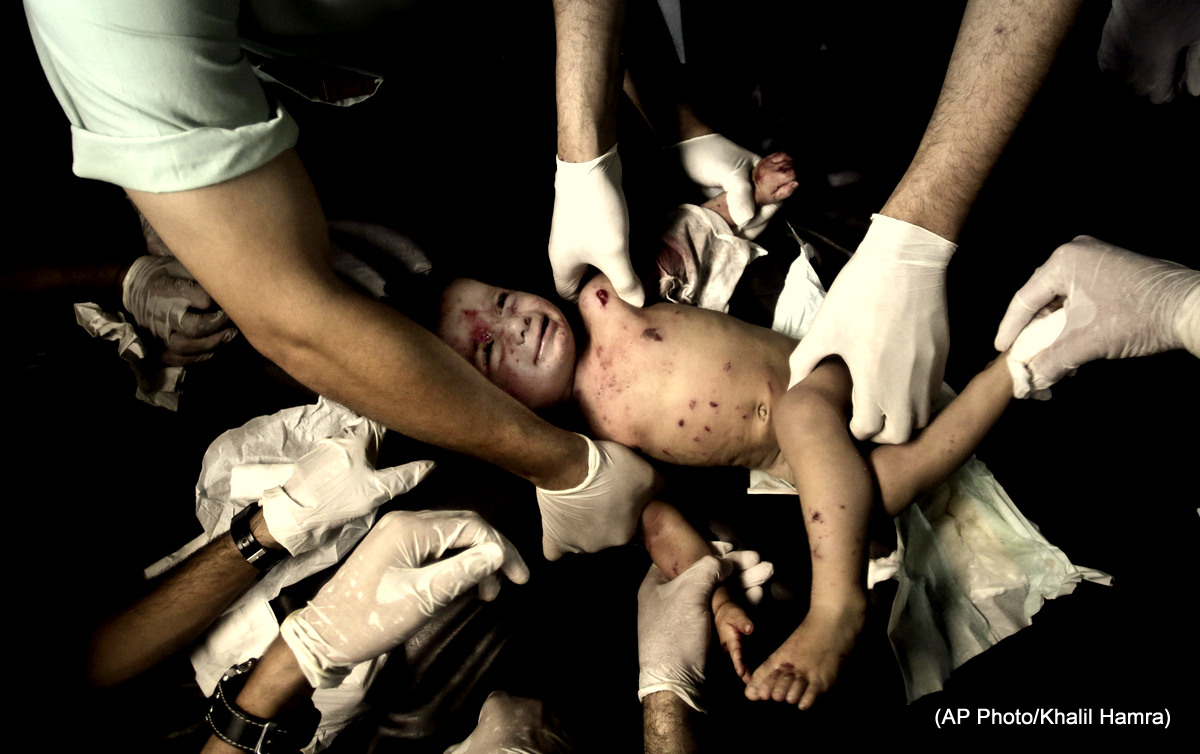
587,76
171,616
667,725
258,244
905,471
1003,52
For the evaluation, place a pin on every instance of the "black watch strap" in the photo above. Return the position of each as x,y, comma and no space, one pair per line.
250,548
238,728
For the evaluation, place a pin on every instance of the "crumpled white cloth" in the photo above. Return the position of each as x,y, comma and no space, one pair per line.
157,384
713,255
971,569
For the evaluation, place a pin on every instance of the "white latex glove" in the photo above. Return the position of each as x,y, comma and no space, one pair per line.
1142,43
674,627
717,164
165,299
1117,303
590,226
885,315
335,483
602,511
749,570
512,725
392,584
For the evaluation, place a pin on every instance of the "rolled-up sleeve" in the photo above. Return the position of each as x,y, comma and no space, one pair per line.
160,95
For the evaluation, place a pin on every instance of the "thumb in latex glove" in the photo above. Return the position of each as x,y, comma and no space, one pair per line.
717,164
335,483
1117,304
590,226
750,571
885,315
674,627
513,725
392,584
1143,40
165,299
603,510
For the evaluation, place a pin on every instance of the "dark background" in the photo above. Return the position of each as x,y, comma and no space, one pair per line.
456,150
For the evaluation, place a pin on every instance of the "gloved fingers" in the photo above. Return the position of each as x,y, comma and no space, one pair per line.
755,594
444,581
625,281
190,290
362,434
704,575
721,548
470,530
897,427
867,420
204,324
489,588
195,346
567,277
739,194
1038,291
398,480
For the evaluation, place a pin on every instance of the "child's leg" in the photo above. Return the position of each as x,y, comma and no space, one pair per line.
908,470
836,492
674,546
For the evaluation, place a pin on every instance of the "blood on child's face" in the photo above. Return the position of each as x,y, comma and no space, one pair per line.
520,342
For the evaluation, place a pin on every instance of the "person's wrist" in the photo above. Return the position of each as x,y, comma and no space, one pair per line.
571,468
258,527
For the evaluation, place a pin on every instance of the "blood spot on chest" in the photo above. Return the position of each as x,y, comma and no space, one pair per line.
603,296
691,404
714,405
681,422
651,333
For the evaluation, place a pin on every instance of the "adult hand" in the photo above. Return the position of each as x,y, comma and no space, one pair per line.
750,571
392,584
512,725
336,482
1143,41
603,511
165,299
590,226
674,626
717,164
1117,304
885,315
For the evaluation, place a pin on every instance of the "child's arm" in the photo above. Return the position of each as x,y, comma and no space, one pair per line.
774,181
905,471
674,546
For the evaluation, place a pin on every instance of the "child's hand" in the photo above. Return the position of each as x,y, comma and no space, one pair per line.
732,624
774,179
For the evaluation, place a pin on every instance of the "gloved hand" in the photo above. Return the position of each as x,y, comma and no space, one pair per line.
391,585
674,626
603,510
1118,304
749,570
590,225
1142,42
717,164
165,299
512,725
885,315
336,482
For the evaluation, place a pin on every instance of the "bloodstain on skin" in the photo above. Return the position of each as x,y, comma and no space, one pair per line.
651,333
712,404
695,439
789,667
681,422
842,507
728,366
691,404
816,516
771,387
603,296
707,428
999,30
744,416
666,452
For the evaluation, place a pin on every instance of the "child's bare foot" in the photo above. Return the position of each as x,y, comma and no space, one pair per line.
774,179
732,624
807,663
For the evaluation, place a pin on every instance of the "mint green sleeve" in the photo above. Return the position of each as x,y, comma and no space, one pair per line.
159,94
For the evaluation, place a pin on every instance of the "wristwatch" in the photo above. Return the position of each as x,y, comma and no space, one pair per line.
233,725
250,548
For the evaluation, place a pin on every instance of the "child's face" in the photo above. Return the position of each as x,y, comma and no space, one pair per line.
520,342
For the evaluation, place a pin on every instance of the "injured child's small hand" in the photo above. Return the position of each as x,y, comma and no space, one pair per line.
732,624
774,179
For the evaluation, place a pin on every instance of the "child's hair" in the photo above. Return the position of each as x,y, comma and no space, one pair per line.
418,296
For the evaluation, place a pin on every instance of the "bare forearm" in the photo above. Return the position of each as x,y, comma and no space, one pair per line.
1003,53
274,686
674,545
667,725
258,244
587,76
171,616
905,471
